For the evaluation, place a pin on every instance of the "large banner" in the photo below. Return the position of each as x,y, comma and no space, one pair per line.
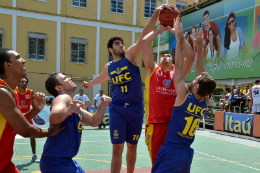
105,120
238,123
231,38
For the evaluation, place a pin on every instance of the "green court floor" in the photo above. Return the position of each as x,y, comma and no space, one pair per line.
213,153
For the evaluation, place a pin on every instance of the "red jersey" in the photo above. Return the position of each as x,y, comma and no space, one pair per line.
159,96
7,134
212,25
24,101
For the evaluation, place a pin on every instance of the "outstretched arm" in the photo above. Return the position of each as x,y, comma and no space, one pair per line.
94,119
200,67
147,49
179,83
103,76
133,51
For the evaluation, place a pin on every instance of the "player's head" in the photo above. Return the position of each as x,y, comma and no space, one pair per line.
116,46
206,17
81,91
23,83
12,63
166,60
58,83
101,92
203,85
257,82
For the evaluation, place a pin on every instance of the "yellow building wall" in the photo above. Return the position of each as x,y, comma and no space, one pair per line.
105,35
78,31
7,3
126,18
49,6
7,30
90,12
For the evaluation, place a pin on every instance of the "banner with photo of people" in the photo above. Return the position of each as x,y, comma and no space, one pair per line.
231,42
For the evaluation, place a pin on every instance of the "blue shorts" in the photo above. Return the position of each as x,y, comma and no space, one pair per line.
173,158
125,122
62,165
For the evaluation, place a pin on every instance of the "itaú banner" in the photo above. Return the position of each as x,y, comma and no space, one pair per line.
239,123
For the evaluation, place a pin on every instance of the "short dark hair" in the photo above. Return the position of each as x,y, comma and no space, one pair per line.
26,79
207,85
3,58
51,83
111,41
247,85
233,86
257,81
100,90
205,13
81,89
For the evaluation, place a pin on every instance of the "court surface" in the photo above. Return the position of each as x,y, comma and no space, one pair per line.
214,153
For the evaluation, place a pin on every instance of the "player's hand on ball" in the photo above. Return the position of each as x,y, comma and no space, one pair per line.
85,85
54,129
74,107
160,8
38,100
105,100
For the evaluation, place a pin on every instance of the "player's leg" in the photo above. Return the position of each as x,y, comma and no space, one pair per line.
134,128
254,108
117,158
33,146
117,125
189,157
10,168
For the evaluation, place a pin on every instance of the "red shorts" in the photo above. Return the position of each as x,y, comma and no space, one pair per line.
155,135
10,168
31,122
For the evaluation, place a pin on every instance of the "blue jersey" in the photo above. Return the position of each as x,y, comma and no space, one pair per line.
126,83
185,120
66,143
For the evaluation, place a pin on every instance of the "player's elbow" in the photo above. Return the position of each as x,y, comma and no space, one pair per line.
145,41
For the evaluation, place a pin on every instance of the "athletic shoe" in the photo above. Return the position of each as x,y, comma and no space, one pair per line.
35,159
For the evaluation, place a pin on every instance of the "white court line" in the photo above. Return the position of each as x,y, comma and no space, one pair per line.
228,161
81,142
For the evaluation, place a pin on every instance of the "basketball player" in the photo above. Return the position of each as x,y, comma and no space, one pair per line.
12,121
60,149
159,84
126,108
25,96
255,95
176,155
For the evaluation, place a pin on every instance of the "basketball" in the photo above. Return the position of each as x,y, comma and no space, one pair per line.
166,16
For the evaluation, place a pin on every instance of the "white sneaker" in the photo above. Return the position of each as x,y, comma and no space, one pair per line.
35,159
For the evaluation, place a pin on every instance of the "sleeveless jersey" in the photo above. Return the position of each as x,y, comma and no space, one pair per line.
256,94
185,120
67,142
7,134
126,83
24,101
159,96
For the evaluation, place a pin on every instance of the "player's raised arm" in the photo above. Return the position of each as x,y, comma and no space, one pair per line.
133,51
147,49
95,118
103,76
17,120
62,107
179,83
200,66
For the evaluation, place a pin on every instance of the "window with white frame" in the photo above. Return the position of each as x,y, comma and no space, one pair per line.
109,93
1,38
180,5
117,6
80,3
149,7
78,50
36,46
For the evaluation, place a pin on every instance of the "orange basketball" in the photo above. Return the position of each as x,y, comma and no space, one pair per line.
166,16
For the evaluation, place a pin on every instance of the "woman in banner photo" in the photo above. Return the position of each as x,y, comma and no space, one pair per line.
210,52
233,41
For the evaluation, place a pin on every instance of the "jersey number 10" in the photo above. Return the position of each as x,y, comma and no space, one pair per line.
191,127
124,88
